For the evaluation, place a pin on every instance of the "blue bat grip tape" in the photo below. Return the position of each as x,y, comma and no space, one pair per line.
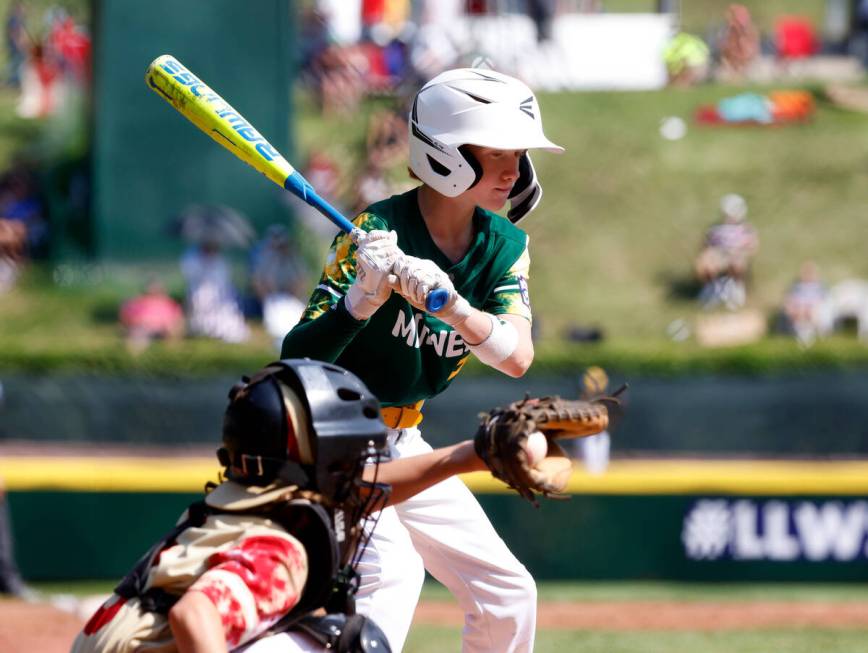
436,300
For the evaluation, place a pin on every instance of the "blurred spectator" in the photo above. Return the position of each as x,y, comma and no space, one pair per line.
739,43
17,43
687,58
859,35
342,19
848,300
337,75
723,263
39,77
806,310
10,578
371,186
278,281
386,139
383,20
20,201
70,45
542,13
23,228
776,108
151,316
211,301
12,245
594,450
324,174
795,38
433,47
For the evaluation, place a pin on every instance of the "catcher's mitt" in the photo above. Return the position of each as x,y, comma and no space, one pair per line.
502,436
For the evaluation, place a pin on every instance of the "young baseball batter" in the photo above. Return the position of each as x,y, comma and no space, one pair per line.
470,131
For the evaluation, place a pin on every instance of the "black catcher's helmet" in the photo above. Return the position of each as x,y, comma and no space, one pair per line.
301,422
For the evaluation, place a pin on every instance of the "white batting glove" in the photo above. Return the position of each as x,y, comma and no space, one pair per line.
417,277
375,256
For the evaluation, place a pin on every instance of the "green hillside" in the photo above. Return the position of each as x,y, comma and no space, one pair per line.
612,242
625,209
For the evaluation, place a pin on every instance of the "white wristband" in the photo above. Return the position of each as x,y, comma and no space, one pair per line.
499,344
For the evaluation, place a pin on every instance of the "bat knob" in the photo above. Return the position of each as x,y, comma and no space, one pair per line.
436,299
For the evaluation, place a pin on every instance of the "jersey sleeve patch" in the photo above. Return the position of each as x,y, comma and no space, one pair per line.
510,295
339,271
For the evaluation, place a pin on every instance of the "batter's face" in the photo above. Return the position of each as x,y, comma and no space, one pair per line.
499,174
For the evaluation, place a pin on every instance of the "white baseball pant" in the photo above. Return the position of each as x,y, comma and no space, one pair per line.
445,529
283,643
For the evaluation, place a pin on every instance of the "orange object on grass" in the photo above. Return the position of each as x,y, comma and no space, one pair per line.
791,105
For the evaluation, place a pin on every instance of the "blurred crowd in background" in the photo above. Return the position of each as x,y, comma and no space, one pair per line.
48,58
48,65
352,50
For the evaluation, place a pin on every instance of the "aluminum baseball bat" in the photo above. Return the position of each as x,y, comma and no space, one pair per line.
167,77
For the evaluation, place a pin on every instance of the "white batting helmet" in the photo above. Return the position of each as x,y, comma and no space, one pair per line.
470,106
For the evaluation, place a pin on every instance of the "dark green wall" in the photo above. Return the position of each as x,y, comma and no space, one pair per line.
818,414
148,161
76,535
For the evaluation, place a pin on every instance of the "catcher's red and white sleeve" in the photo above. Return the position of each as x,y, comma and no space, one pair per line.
254,584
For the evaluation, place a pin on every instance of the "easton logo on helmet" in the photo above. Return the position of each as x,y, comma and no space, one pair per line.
525,107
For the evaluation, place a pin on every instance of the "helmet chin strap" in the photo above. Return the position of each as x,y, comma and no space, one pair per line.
262,470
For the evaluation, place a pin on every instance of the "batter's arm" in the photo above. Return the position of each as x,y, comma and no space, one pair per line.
478,326
322,338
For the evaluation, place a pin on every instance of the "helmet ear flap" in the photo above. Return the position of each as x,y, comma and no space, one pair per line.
526,192
474,164
440,166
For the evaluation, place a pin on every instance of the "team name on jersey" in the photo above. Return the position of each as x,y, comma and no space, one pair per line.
446,343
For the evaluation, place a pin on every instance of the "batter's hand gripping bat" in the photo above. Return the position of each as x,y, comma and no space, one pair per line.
214,116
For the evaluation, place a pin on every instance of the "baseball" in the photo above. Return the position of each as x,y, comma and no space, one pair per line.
536,446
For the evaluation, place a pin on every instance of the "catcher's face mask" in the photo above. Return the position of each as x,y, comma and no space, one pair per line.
355,516
313,425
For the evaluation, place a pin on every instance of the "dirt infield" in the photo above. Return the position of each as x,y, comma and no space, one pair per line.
31,627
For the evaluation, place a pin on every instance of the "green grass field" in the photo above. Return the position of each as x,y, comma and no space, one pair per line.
431,639
428,639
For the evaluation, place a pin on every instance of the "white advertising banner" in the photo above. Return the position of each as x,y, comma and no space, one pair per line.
587,51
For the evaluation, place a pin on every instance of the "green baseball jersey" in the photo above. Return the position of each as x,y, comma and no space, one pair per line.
401,353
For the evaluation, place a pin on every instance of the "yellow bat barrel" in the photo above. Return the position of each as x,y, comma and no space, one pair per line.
167,77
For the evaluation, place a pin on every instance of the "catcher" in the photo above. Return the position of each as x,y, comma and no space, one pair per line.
269,555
